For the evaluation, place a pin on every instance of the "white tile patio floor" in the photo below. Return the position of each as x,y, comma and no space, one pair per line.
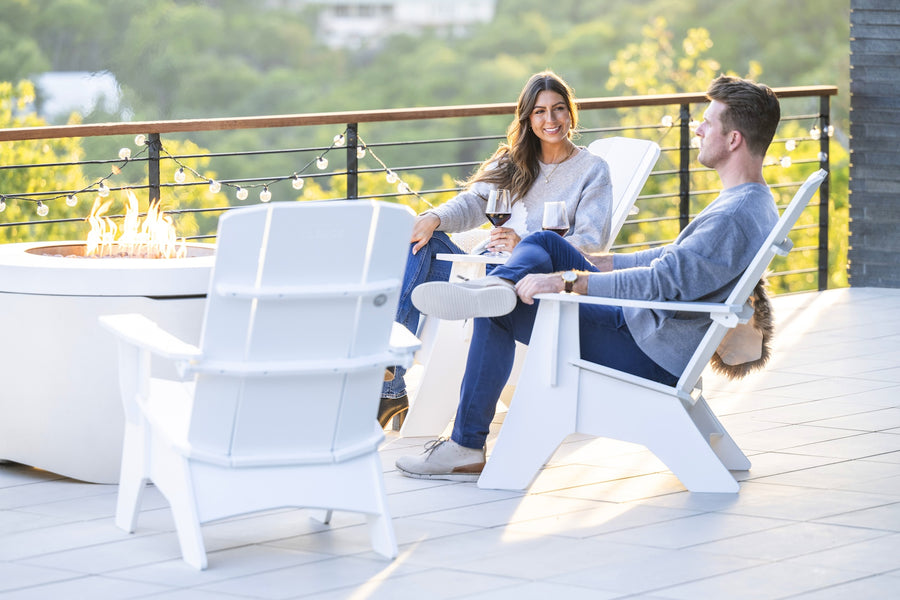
818,515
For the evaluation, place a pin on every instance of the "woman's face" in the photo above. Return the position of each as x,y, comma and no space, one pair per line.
550,118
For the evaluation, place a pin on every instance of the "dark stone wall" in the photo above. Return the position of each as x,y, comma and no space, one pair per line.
874,253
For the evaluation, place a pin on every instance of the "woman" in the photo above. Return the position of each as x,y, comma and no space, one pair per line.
538,164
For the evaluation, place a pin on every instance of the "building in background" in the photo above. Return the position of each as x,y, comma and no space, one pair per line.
361,23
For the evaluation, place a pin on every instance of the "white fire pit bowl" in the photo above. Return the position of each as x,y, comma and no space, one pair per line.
60,408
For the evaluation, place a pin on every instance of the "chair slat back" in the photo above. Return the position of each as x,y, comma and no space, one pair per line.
630,162
287,293
777,242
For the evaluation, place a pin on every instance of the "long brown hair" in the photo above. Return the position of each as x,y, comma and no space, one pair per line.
517,159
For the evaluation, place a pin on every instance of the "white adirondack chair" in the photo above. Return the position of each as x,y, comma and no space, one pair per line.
280,406
559,393
445,344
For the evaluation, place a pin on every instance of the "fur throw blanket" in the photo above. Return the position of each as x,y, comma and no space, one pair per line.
747,347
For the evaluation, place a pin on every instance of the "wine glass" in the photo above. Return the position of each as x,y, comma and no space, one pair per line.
555,218
498,211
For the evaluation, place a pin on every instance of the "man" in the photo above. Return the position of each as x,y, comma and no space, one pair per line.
702,264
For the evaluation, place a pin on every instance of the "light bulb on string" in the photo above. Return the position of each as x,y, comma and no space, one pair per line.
693,125
42,209
241,193
695,142
179,175
265,195
214,186
785,161
391,177
322,163
790,145
102,190
815,133
339,139
71,200
667,121
125,153
2,204
403,188
360,152
140,139
297,182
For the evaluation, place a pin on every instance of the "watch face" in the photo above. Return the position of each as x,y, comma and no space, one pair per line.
570,276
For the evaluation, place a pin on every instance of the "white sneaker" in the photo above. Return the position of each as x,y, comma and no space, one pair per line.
484,297
444,459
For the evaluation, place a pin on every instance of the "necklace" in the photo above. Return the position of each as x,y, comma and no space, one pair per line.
547,176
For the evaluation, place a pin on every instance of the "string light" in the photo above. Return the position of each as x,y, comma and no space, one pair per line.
322,163
71,200
360,152
391,177
785,161
241,193
297,182
214,186
790,145
265,195
339,139
42,209
667,121
102,190
2,204
140,139
179,175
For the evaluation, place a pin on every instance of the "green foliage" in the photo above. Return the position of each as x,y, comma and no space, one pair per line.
220,58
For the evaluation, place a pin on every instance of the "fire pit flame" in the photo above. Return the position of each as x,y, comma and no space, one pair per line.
154,237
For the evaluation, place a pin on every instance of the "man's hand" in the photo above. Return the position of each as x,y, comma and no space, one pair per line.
423,229
538,283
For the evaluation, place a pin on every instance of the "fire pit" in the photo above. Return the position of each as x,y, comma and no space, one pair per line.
59,396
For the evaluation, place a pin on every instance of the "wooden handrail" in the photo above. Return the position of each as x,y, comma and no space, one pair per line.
370,116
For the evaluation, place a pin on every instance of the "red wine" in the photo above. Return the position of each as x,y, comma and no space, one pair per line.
560,231
498,219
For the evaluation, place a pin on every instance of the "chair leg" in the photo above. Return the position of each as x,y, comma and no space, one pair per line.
180,493
132,478
519,453
722,444
686,450
381,528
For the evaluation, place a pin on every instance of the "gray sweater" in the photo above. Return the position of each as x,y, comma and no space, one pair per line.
582,182
702,264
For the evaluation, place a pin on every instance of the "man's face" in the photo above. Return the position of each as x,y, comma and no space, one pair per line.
713,137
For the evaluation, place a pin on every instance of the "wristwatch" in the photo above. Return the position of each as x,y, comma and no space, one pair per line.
569,278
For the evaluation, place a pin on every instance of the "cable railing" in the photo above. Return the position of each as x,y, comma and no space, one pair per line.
199,184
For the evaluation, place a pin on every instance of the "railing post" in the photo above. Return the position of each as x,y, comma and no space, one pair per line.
684,167
824,142
352,162
154,146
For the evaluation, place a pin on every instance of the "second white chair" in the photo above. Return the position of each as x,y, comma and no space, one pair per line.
445,344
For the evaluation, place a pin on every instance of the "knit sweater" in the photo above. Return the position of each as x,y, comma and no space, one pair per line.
582,182
702,264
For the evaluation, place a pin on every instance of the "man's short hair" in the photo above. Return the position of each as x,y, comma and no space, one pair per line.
751,108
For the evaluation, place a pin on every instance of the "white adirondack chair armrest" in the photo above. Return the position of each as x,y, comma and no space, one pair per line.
727,314
403,345
291,292
143,333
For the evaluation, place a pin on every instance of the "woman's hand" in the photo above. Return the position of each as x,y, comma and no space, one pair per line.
538,283
503,239
423,229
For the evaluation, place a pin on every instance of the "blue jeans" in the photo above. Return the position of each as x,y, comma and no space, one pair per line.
605,338
420,267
